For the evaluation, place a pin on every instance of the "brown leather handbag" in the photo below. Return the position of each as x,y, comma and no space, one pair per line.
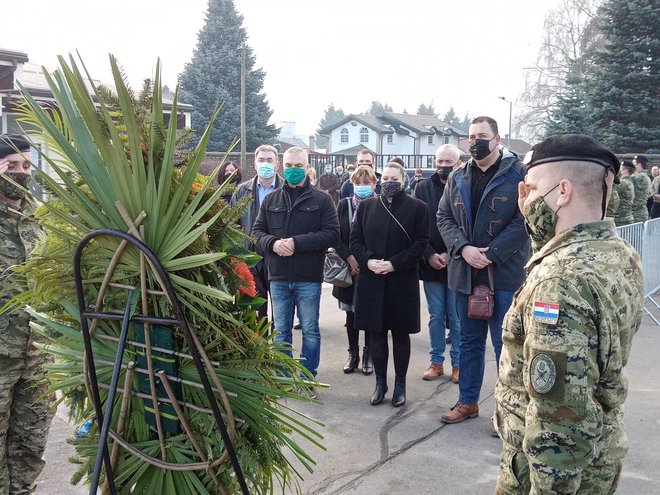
481,300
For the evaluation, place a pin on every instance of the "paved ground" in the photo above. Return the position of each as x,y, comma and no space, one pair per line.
382,450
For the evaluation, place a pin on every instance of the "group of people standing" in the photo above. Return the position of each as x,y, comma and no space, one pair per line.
567,292
636,196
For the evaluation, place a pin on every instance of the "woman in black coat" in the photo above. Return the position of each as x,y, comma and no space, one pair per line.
364,182
388,239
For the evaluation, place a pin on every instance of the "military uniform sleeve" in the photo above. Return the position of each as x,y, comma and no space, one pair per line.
563,421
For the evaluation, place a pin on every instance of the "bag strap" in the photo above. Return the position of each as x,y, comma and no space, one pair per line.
395,219
350,213
491,284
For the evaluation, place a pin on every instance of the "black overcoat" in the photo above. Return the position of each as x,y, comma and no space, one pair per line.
391,301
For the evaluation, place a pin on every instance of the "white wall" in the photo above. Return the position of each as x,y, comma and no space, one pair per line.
353,138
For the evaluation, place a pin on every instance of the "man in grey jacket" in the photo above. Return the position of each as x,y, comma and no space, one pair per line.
266,181
482,227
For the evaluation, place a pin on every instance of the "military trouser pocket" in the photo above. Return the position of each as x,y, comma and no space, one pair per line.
514,472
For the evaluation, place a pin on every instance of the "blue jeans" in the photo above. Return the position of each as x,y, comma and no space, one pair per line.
441,301
473,344
305,298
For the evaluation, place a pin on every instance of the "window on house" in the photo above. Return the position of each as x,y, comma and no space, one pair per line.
344,136
446,139
430,139
364,135
390,138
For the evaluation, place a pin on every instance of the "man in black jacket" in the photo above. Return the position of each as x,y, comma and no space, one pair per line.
482,226
440,299
295,226
261,185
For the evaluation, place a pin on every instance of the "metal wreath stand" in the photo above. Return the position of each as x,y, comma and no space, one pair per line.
197,354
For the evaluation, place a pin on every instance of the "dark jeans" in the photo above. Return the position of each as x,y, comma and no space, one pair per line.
473,343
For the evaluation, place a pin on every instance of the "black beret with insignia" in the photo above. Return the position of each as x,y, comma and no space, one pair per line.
9,143
572,147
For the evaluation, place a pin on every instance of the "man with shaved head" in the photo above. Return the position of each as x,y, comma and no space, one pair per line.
568,334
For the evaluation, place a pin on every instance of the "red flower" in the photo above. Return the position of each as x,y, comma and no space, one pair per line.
241,269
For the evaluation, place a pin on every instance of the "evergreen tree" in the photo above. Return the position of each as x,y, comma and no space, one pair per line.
452,119
213,76
427,110
626,85
571,112
332,115
378,108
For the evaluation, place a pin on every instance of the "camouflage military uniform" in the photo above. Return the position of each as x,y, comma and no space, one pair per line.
623,215
613,205
562,383
642,183
24,411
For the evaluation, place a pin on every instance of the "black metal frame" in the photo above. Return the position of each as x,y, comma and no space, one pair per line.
179,320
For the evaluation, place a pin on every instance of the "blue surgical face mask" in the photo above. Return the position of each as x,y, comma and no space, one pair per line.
363,192
265,170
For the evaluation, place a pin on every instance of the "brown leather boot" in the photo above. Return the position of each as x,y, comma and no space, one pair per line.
433,372
460,412
454,374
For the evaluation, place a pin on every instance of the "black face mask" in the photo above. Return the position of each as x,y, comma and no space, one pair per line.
480,149
443,172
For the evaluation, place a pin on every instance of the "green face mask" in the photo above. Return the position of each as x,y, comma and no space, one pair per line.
540,221
294,175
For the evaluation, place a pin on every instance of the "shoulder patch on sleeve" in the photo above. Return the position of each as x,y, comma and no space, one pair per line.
546,312
543,373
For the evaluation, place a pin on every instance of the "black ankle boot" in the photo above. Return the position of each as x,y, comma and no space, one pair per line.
399,394
379,391
353,360
367,362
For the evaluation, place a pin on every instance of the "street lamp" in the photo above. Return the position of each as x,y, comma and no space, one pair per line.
510,113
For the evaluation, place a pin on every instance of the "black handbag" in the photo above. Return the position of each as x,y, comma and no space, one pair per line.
335,270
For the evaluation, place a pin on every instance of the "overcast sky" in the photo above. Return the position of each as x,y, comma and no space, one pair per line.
348,52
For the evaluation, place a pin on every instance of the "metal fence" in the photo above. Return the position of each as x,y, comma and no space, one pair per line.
645,238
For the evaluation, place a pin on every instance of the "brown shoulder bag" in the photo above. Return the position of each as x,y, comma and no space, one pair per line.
481,300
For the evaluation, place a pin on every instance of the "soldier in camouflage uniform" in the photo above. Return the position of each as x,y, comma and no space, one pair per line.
25,412
568,333
626,190
642,183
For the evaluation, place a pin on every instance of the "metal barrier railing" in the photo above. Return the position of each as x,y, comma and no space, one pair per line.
645,238
634,234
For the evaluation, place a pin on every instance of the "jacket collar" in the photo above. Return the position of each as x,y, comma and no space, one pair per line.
601,230
506,162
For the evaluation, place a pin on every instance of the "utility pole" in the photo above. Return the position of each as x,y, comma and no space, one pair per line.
243,143
510,113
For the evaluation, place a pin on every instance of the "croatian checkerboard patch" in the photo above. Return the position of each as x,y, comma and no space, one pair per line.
546,312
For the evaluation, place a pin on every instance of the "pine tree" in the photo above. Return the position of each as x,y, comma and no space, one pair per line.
213,76
427,109
452,119
332,115
626,85
378,108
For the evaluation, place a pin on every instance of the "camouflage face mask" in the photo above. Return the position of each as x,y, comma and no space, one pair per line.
540,221
12,191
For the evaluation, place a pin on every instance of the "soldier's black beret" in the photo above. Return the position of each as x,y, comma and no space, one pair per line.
9,143
628,165
572,147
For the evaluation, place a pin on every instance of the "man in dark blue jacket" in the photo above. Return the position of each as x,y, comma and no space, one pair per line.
482,226
295,226
440,299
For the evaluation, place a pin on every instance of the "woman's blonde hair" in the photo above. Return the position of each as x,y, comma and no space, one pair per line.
398,167
364,172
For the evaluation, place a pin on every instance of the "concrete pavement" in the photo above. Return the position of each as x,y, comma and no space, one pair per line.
374,450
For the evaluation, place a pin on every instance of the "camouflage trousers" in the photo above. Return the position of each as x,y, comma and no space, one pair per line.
25,417
514,477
